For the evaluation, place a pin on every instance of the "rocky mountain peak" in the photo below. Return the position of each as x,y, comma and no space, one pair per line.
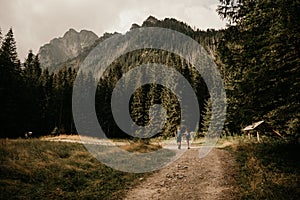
63,48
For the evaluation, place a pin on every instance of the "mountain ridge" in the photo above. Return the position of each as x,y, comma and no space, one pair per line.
54,61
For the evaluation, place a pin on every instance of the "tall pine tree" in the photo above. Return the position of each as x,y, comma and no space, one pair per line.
9,87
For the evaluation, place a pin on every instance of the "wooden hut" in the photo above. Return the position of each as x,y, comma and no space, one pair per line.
257,127
251,127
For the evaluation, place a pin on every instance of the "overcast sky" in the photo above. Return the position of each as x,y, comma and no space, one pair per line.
36,22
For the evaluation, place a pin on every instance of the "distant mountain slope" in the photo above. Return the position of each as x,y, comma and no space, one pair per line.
69,46
65,51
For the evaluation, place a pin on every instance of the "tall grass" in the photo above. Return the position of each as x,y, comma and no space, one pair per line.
34,169
268,170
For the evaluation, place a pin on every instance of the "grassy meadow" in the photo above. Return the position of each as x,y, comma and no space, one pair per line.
36,169
40,169
267,170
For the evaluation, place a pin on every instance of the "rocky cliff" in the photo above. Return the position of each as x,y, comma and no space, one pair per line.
69,46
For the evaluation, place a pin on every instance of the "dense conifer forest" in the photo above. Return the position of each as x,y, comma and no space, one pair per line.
257,56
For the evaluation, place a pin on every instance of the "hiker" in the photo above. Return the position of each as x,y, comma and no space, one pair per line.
187,137
178,136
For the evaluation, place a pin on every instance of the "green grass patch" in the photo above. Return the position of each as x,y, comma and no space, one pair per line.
35,169
268,170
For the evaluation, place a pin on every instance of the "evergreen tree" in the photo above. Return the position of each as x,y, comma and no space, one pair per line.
10,65
9,87
206,119
261,55
47,102
31,115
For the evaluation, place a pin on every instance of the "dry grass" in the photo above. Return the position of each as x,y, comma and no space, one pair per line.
269,170
64,136
35,169
141,147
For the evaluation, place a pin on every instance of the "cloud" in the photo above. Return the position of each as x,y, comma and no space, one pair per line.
36,22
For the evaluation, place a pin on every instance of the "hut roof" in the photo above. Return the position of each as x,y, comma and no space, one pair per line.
253,126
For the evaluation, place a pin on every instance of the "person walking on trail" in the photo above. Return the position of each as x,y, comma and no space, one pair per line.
178,137
187,137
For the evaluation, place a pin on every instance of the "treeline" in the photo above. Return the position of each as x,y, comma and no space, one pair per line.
150,94
32,99
260,63
257,55
38,101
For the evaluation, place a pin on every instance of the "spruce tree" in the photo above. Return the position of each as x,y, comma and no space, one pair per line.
9,87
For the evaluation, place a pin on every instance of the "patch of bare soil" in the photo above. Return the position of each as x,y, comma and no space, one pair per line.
191,178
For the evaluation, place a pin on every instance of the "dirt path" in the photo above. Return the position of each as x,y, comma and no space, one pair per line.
187,178
190,178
